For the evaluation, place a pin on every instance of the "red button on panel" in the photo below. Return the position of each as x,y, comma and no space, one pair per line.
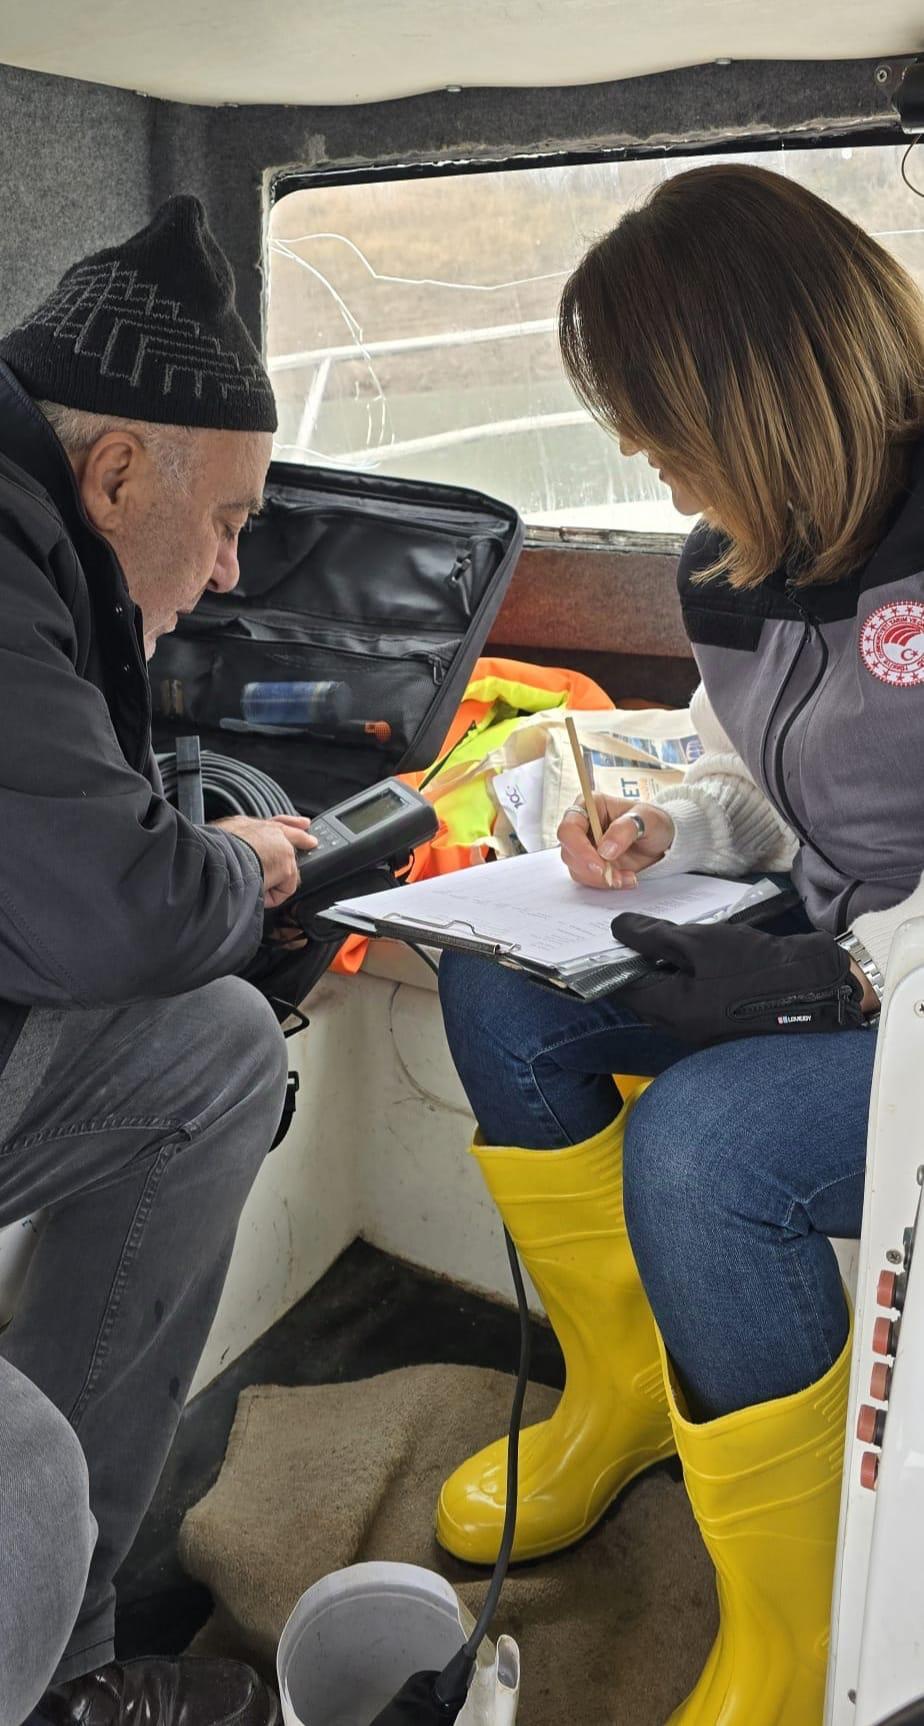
870,1422
880,1381
885,1292
869,1470
883,1336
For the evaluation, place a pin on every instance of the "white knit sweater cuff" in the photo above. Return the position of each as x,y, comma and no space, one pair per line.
693,844
737,830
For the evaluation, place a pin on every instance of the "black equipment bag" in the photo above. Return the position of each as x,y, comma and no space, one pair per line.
389,586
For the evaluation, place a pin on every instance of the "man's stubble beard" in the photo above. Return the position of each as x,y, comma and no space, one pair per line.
154,561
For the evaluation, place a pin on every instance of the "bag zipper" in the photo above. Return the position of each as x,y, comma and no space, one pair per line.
400,514
328,640
358,627
321,624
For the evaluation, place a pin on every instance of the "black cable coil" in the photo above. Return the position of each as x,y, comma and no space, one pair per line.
230,788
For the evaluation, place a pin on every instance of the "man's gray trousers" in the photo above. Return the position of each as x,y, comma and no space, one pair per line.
46,1539
139,1131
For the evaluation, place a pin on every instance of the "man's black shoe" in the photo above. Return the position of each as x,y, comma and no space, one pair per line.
163,1693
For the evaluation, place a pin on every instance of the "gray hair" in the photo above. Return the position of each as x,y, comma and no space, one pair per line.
171,448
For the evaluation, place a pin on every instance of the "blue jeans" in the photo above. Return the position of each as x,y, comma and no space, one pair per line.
740,1161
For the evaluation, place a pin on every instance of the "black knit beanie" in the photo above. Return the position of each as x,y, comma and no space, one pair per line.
148,330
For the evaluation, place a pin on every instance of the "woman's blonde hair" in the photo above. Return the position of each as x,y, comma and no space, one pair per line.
767,351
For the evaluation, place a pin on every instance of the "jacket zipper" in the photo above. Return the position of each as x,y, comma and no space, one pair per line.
806,632
439,765
809,628
840,994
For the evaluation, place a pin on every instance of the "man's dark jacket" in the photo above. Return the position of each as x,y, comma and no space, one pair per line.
107,895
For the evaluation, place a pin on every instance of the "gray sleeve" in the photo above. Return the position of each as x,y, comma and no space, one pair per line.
107,894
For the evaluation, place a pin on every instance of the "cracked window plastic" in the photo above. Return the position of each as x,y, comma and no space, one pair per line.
412,325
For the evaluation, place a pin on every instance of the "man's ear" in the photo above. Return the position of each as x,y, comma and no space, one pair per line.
113,476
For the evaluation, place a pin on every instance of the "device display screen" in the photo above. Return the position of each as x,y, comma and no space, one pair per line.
367,815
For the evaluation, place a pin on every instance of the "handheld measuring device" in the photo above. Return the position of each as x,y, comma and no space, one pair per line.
372,827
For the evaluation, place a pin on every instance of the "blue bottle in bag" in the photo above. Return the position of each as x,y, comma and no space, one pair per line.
324,705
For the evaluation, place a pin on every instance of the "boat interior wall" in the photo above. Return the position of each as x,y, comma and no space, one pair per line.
76,175
302,51
84,164
610,612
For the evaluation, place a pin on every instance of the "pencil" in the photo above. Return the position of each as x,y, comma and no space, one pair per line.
587,792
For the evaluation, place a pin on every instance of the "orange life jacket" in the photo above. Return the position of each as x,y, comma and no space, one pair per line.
500,692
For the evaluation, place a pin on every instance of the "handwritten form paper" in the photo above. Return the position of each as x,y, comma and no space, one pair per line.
531,907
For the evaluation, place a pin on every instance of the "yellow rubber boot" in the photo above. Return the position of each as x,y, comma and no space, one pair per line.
765,1487
564,1211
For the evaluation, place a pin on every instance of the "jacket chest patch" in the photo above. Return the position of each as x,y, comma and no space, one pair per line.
892,643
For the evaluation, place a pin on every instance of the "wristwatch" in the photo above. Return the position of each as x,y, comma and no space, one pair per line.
853,946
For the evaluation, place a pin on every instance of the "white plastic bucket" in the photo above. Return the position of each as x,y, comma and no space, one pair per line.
358,1635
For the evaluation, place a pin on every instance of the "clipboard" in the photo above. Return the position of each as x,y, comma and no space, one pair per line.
595,968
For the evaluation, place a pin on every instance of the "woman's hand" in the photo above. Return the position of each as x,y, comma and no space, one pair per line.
707,983
625,847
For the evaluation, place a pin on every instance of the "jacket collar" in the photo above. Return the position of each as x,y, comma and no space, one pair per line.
27,439
116,643
899,553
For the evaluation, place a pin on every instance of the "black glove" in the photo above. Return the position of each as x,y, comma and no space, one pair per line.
718,981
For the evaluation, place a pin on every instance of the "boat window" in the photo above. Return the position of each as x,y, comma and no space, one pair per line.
412,323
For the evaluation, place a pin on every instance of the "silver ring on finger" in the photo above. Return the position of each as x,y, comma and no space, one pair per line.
640,827
576,809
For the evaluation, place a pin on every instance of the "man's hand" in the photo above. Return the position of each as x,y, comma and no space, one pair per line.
278,843
625,849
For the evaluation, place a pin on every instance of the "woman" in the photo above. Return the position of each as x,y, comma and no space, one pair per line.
768,357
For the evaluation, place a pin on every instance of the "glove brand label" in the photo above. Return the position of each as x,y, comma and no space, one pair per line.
892,643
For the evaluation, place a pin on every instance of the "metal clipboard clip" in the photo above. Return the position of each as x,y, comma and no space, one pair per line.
444,931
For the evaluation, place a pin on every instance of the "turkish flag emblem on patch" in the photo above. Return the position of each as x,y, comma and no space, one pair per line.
892,643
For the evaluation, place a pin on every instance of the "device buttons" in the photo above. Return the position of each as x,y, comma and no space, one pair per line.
327,838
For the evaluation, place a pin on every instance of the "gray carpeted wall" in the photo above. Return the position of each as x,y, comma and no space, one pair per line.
81,165
74,174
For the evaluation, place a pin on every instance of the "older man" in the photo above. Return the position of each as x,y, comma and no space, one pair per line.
142,1081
